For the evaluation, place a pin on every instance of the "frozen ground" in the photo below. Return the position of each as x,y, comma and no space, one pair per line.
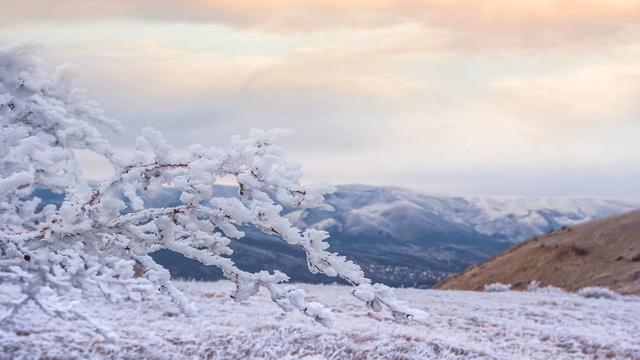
504,325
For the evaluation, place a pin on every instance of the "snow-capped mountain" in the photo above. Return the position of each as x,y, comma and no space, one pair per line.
402,213
404,237
399,236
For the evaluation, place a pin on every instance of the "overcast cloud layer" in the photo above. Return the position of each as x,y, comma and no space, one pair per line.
466,97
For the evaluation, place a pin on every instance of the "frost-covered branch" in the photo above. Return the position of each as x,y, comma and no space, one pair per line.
98,234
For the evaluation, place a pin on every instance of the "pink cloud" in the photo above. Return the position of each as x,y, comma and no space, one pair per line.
542,18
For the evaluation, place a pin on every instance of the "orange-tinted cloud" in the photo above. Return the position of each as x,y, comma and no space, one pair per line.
539,19
388,86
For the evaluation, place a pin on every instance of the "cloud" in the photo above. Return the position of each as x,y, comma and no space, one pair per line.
603,92
330,102
361,114
504,23
457,96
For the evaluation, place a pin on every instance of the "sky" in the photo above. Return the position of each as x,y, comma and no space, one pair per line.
493,97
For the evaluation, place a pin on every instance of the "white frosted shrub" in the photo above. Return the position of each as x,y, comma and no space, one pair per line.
94,239
596,292
497,287
534,286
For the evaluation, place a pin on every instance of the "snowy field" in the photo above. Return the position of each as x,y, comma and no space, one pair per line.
465,325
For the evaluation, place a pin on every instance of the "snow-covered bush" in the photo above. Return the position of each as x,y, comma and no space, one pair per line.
497,287
94,239
597,292
534,286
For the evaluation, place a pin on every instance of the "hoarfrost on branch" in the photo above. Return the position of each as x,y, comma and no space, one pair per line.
100,233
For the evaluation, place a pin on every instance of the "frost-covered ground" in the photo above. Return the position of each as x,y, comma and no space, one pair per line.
502,325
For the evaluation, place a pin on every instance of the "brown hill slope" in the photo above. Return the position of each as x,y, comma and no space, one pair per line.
598,253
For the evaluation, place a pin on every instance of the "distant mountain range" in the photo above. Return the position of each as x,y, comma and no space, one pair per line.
400,236
407,214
